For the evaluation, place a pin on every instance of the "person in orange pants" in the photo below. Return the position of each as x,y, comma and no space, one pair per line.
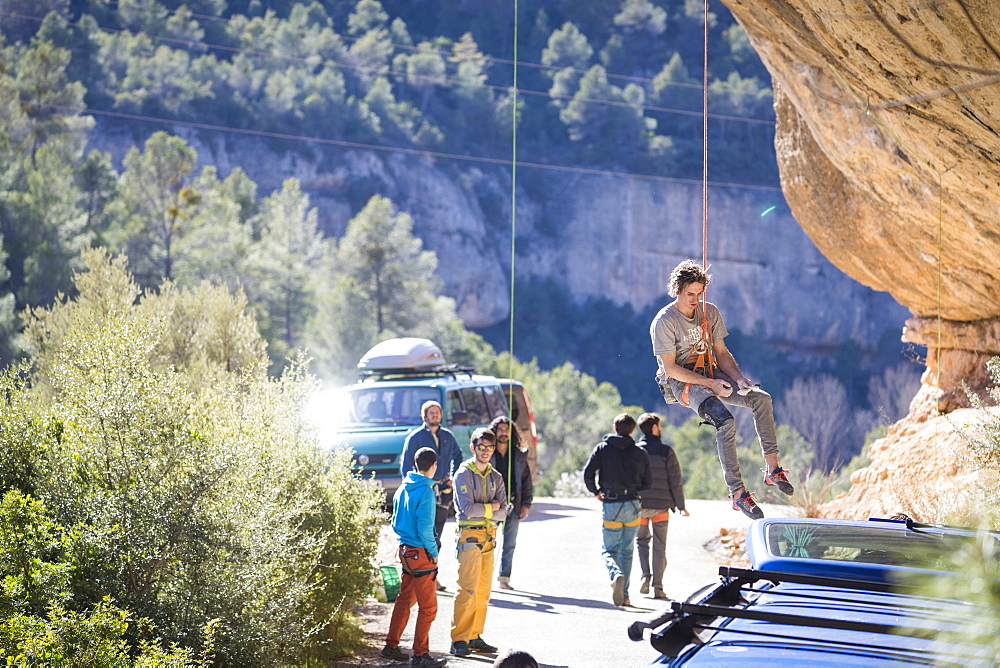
480,504
413,510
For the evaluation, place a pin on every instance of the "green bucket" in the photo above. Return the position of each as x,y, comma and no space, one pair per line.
390,581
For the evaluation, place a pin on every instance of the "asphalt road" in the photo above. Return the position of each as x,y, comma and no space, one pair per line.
561,609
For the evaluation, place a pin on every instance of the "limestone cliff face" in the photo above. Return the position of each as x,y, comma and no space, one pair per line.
888,146
600,236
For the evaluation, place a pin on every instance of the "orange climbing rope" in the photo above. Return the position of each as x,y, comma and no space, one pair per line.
703,355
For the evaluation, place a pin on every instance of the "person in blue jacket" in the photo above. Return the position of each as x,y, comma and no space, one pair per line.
432,435
413,509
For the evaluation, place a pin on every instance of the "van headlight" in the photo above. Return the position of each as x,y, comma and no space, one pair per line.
363,460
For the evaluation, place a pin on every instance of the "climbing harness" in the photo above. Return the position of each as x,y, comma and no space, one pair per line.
471,538
701,360
407,552
655,519
613,524
479,534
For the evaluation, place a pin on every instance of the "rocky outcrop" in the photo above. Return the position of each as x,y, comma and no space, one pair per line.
922,468
888,146
889,149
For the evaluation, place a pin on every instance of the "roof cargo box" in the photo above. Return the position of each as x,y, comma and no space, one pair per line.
402,354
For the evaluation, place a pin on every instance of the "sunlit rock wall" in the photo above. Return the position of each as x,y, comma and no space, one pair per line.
888,145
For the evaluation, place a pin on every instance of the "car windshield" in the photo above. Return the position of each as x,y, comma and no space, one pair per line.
386,405
869,544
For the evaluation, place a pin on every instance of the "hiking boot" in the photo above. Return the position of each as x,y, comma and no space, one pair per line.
777,478
745,503
427,660
394,654
659,593
618,590
644,587
460,648
480,646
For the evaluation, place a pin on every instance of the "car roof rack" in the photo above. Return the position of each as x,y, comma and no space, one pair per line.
684,623
444,370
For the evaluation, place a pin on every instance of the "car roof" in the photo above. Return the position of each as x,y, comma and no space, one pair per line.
826,593
837,626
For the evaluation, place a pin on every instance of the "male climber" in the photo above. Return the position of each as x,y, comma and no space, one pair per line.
697,370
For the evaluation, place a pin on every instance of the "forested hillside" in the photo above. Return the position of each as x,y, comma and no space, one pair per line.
611,83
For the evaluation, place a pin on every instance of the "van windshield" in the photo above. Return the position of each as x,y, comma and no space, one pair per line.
386,405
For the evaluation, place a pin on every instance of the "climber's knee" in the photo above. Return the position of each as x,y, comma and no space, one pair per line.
714,412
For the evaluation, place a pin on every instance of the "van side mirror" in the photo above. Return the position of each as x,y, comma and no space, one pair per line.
459,418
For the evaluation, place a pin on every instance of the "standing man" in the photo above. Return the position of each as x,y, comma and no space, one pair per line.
413,509
697,370
622,471
512,463
664,496
480,503
433,435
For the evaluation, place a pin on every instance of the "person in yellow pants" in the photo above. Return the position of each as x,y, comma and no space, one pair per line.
480,504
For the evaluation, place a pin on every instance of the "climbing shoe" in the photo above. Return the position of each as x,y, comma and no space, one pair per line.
480,646
394,654
777,478
744,502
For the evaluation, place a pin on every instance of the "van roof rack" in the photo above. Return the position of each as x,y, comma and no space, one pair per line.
443,370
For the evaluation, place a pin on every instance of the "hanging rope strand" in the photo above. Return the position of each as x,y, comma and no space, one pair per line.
704,355
513,236
513,207
704,150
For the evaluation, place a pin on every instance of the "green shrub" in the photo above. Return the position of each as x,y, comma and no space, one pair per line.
193,485
33,566
983,441
36,626
979,560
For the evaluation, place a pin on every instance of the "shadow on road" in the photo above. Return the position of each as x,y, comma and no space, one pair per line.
544,602
552,511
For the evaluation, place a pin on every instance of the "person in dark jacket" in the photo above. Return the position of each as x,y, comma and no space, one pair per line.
664,496
432,435
616,473
512,463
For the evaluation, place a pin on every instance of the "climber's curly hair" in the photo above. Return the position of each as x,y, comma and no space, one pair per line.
684,274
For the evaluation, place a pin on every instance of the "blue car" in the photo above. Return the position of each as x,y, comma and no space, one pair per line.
824,593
